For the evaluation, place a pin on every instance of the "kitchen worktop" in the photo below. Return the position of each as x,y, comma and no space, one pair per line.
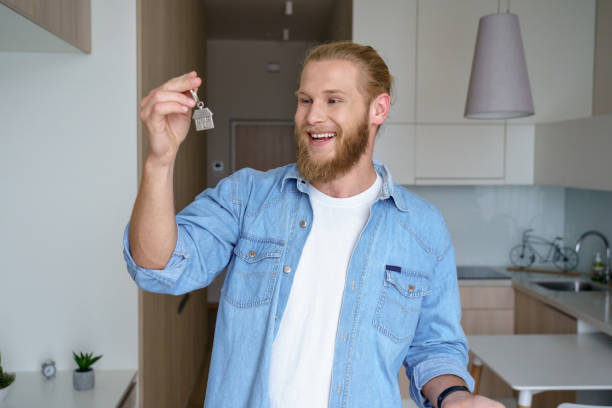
32,390
592,307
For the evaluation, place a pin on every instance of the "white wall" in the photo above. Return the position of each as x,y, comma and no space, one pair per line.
68,180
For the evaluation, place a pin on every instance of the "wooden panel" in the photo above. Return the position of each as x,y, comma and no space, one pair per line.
535,317
68,19
486,297
172,347
487,321
488,310
264,147
460,151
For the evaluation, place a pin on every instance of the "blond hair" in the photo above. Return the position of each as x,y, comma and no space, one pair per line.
376,78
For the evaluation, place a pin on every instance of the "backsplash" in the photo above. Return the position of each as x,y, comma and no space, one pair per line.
587,210
486,221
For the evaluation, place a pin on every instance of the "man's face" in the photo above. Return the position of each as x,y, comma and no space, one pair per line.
331,120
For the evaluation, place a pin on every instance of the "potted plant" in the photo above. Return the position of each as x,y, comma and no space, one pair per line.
83,377
6,380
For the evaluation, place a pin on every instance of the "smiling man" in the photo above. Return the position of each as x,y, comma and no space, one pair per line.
336,276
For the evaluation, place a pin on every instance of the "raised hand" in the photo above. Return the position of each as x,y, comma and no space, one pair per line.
166,115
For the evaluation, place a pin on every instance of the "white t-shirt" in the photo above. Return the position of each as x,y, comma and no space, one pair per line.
303,351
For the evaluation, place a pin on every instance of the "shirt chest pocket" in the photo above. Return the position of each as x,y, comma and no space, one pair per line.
399,304
253,272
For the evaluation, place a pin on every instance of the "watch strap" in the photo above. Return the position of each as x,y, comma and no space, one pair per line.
449,390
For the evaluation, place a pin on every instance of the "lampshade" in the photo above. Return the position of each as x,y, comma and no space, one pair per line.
499,83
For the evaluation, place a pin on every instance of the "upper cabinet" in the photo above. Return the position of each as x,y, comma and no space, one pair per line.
390,27
68,20
429,46
575,153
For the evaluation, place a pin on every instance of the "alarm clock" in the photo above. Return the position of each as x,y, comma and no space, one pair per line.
48,369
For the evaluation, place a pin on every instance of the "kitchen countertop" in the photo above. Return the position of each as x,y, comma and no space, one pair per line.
30,389
481,276
592,307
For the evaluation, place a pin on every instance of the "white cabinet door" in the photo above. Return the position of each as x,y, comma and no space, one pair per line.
558,38
394,146
559,42
575,153
460,152
520,145
389,26
445,47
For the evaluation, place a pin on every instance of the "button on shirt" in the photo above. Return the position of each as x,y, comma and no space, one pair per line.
303,350
403,307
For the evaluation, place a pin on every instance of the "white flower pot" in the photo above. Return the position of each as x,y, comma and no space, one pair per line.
83,380
5,391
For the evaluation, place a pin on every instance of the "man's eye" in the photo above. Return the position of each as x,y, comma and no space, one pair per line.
303,100
332,100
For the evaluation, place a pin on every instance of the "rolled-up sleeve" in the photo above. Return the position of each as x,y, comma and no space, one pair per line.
208,230
439,346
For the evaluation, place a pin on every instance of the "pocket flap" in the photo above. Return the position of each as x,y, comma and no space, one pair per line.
251,249
409,283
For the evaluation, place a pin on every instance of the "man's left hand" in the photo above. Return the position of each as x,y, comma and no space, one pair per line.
466,400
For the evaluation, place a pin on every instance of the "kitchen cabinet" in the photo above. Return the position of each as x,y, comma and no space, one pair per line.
488,309
394,146
390,27
69,20
575,153
532,316
459,152
559,47
429,46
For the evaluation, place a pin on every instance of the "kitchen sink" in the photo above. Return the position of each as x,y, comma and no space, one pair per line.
570,286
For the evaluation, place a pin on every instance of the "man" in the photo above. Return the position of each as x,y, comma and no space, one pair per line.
336,276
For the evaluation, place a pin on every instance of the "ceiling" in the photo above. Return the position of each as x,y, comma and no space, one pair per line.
265,19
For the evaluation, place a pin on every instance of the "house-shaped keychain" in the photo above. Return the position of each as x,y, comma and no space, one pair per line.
203,118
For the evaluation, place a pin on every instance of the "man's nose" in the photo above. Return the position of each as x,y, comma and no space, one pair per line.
316,113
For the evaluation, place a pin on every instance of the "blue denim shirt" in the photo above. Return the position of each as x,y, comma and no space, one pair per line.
400,303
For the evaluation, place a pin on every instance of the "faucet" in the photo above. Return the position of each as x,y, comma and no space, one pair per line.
605,241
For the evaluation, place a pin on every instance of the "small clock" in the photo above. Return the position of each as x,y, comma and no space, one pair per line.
48,369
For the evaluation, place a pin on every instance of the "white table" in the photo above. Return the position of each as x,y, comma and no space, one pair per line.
31,390
532,363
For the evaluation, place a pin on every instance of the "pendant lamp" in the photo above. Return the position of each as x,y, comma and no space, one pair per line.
499,83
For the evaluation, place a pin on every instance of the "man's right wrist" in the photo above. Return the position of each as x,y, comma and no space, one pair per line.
157,165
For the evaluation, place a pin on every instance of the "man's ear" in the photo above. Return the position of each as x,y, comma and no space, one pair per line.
379,108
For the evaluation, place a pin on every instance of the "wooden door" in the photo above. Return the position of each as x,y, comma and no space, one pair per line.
173,331
262,145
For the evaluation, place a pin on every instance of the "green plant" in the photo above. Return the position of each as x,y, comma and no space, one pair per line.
84,361
6,379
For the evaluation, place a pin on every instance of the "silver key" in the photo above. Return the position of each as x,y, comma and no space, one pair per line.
203,117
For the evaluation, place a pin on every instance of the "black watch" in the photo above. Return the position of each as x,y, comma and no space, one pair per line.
449,390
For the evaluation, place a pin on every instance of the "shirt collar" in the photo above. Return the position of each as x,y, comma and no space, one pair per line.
388,188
